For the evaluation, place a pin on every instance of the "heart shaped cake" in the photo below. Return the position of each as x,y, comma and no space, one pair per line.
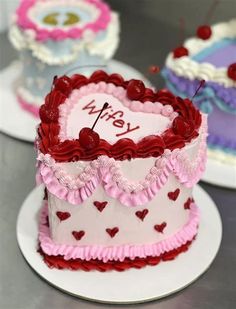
119,194
211,56
55,36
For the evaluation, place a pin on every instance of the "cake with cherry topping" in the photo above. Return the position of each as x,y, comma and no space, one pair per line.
119,162
211,56
54,36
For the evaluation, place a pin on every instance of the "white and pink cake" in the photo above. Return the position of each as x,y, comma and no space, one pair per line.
118,195
55,36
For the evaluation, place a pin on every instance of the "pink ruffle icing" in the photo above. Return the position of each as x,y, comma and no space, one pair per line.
74,197
42,34
118,253
30,108
104,172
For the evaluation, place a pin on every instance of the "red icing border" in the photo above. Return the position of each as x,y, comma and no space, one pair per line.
77,264
184,128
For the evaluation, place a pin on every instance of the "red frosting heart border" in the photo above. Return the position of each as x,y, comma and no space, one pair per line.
184,128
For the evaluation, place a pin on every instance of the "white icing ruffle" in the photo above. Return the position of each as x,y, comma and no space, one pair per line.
104,48
189,68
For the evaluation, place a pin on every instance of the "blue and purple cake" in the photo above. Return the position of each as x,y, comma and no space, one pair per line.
55,36
211,56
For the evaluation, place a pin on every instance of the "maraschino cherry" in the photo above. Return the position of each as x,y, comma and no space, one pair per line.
154,69
204,32
135,89
231,72
180,51
88,138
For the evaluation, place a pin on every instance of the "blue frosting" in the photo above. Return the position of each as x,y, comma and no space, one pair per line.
213,48
41,75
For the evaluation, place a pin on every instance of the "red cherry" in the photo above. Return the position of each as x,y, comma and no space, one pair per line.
154,69
204,32
232,71
180,51
88,138
135,89
63,84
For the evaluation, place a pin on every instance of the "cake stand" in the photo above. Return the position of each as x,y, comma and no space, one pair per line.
220,174
131,286
20,124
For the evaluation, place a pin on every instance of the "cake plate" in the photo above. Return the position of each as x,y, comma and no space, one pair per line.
20,124
220,174
134,285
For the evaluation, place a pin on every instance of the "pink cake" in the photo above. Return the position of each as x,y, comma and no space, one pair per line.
119,195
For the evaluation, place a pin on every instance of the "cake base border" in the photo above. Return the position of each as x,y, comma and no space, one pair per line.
133,285
77,264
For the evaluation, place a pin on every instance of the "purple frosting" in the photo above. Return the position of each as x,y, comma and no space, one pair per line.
222,125
219,140
227,95
221,57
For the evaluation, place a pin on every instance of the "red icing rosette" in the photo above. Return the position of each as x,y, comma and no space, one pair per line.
184,128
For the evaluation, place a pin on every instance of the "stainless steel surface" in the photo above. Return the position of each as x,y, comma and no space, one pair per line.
149,31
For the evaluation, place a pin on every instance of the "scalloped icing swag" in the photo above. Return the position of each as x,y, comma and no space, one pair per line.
76,190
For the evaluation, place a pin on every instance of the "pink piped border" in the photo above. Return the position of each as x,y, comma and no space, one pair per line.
117,253
42,34
30,108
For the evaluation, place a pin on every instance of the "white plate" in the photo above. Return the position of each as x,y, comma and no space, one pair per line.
131,286
20,124
220,174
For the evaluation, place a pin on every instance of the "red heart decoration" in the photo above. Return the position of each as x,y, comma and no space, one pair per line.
78,234
141,214
174,195
100,205
188,203
63,215
112,232
160,227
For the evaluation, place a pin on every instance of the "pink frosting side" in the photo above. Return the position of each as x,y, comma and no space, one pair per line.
118,253
30,108
42,34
